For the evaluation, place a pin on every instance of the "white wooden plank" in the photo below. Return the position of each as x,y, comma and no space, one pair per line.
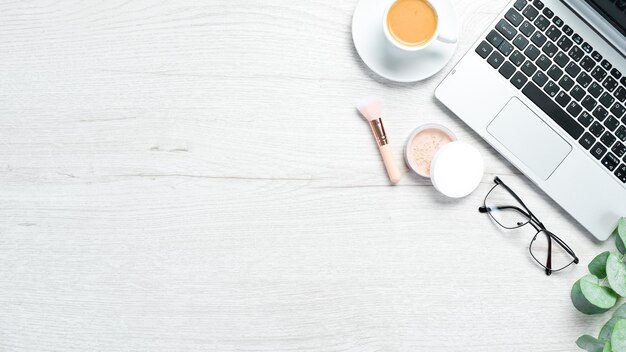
193,176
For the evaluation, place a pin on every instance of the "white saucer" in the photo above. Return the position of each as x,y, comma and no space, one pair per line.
387,60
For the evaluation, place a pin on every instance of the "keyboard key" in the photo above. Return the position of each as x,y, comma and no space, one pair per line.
519,80
620,94
517,58
623,81
484,49
527,28
621,133
550,49
540,78
514,17
585,119
596,129
588,102
610,161
505,48
583,79
577,39
567,30
530,12
587,63
506,29
547,12
566,83
606,65
520,42
494,38
607,139
557,21
587,140
520,4
576,54
618,110
553,33
606,99
609,84
496,59
596,56
553,110
611,124
574,108
600,113
529,68
507,70
587,48
551,89
563,98
578,92
543,62
538,38
619,149
595,89
564,43
532,52
572,69
598,73
541,23
620,172
538,4
561,59
555,72
615,73
598,150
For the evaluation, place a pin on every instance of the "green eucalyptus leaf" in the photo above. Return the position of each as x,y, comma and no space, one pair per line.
589,297
607,347
620,236
598,265
607,329
618,338
616,273
620,312
589,343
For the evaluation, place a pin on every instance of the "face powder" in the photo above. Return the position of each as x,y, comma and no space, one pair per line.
422,146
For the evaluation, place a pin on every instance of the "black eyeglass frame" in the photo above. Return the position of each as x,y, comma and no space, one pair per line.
534,222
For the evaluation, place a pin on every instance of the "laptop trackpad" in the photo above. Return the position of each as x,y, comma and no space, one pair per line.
530,139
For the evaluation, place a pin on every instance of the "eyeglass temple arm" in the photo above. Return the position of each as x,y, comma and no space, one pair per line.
532,219
565,246
484,209
549,260
530,215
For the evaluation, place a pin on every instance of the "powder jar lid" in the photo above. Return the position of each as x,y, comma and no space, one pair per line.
456,169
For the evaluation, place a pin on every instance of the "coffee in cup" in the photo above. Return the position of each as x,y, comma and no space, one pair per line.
413,24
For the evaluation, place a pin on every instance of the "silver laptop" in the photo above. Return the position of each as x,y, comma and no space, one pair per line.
545,85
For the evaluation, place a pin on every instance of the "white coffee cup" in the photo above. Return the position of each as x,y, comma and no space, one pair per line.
436,36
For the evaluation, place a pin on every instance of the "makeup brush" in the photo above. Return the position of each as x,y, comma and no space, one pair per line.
371,108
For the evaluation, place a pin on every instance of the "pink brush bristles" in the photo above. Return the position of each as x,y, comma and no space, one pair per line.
371,108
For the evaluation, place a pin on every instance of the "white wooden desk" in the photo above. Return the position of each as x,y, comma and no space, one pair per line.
185,175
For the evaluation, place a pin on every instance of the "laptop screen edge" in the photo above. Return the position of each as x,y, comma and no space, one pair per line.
599,23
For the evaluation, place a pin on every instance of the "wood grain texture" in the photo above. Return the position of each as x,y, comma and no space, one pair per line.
193,176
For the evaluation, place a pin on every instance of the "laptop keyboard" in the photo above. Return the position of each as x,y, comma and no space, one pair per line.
564,76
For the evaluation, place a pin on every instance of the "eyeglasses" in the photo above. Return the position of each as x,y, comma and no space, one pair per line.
508,211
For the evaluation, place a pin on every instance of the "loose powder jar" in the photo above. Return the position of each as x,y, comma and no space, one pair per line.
422,146
454,167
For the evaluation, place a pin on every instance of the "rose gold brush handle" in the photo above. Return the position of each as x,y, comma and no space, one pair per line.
385,150
392,169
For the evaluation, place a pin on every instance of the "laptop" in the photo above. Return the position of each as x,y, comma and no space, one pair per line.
545,85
